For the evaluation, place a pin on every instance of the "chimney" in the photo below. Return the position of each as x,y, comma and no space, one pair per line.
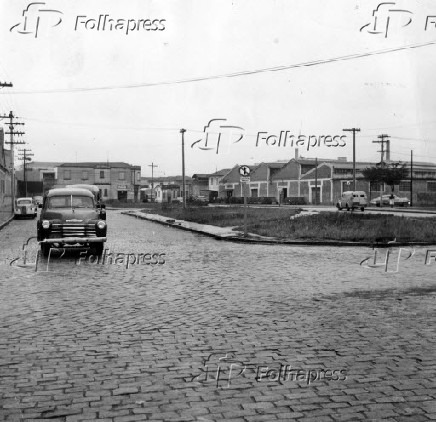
296,154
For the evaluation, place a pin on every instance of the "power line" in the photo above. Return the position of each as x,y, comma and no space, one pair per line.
230,75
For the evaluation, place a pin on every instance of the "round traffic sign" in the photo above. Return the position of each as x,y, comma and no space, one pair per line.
244,171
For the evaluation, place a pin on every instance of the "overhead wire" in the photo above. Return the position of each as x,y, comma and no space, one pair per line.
228,75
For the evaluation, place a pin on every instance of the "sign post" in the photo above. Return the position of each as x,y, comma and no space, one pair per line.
244,171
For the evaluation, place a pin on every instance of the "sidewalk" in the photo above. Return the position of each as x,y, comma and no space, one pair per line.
5,216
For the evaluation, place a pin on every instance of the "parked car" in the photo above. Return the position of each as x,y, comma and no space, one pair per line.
25,207
398,201
70,218
351,200
38,201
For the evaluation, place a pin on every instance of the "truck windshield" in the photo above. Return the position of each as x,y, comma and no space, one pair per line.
24,201
69,201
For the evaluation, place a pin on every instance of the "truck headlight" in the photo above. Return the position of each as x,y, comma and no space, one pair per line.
101,225
45,224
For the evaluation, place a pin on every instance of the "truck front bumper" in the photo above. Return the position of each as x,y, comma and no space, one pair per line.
73,240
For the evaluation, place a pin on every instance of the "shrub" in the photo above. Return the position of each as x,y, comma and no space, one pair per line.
295,200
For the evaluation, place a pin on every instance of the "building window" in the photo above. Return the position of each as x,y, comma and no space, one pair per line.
84,175
105,192
67,174
101,174
431,186
376,186
347,186
121,175
138,177
404,186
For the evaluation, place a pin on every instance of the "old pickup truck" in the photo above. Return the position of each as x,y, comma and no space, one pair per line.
70,218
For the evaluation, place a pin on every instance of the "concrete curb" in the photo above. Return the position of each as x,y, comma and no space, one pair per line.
6,222
255,239
401,210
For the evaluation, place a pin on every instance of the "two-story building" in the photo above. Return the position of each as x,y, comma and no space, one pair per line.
116,180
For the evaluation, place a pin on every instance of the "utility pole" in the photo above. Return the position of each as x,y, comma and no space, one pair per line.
382,142
152,179
316,181
25,156
354,130
182,131
12,143
411,177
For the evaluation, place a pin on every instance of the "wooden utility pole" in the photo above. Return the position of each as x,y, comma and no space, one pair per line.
354,130
382,142
316,181
152,179
12,144
182,131
25,156
411,177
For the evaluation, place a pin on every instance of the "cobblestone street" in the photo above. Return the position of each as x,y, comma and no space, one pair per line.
210,331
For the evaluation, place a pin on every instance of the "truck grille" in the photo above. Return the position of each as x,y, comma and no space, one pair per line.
72,230
24,210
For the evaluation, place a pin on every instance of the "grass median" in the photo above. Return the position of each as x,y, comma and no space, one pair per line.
277,223
224,216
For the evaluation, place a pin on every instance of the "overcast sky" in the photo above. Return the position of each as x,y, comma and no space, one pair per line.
57,76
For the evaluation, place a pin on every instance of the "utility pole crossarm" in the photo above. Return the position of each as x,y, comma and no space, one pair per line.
152,179
354,130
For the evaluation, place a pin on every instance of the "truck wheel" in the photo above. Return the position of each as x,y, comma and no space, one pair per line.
362,209
98,248
338,206
45,249
348,208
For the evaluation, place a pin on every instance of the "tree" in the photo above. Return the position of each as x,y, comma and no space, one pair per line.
391,174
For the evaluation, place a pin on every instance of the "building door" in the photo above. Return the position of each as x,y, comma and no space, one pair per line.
122,195
316,195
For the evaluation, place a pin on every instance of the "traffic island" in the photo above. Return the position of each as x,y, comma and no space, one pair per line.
235,234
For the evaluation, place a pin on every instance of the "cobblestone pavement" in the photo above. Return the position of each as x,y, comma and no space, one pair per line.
203,336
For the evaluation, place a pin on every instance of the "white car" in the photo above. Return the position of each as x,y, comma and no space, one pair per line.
25,207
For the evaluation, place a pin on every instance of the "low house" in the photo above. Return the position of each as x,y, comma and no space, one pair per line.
200,185
167,193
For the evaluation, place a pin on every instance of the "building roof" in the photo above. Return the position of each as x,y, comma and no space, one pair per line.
98,164
221,172
167,187
41,165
